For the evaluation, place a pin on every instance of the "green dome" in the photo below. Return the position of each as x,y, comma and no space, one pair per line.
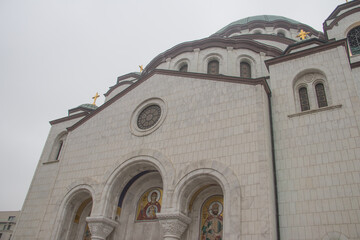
89,106
266,18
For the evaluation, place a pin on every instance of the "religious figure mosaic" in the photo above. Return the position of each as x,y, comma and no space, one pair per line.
212,219
149,204
87,234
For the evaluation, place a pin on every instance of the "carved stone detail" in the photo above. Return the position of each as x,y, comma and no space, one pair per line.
173,224
100,227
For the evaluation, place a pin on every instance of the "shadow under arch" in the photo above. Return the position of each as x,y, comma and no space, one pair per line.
75,201
128,169
212,173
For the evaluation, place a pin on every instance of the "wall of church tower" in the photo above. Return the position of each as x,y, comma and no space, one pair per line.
38,197
317,150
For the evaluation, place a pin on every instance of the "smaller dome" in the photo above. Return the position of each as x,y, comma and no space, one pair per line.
89,106
264,18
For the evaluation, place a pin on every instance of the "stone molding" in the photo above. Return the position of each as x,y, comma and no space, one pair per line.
100,227
173,224
315,110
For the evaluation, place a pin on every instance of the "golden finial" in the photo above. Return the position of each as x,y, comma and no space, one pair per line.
302,35
141,68
95,97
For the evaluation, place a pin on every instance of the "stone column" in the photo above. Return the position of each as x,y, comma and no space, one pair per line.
100,227
195,65
173,224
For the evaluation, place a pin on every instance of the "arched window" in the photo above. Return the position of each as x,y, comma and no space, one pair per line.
57,148
321,95
311,91
245,70
184,68
304,99
281,34
213,67
60,145
354,40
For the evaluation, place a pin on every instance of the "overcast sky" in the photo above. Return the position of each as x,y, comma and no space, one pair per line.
56,54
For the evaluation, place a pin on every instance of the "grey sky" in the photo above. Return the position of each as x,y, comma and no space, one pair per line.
56,54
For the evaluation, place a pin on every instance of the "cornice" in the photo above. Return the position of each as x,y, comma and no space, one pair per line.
133,74
355,65
64,119
306,52
338,18
203,76
112,88
340,8
302,44
80,108
237,43
269,37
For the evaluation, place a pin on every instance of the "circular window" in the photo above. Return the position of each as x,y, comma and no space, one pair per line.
148,117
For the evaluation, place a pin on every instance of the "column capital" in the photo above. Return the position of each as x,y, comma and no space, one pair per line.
100,227
173,224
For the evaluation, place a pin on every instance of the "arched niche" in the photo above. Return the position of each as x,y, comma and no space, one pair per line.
75,207
58,147
196,186
135,210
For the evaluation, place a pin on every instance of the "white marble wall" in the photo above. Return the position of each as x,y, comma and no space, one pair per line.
317,154
210,125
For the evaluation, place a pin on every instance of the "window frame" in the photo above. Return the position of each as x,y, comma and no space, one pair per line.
351,49
310,80
218,66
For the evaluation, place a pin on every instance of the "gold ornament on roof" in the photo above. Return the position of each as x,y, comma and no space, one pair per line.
302,35
141,68
95,97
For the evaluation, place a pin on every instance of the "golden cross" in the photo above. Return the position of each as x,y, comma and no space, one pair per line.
95,97
302,35
141,68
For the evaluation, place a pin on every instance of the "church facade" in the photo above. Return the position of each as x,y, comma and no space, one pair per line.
251,133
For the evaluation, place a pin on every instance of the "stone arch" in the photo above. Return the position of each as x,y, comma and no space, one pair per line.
58,147
213,57
127,168
247,59
215,174
334,236
182,62
309,78
258,31
73,199
354,44
280,31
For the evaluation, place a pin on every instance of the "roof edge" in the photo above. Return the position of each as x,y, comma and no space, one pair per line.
144,77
